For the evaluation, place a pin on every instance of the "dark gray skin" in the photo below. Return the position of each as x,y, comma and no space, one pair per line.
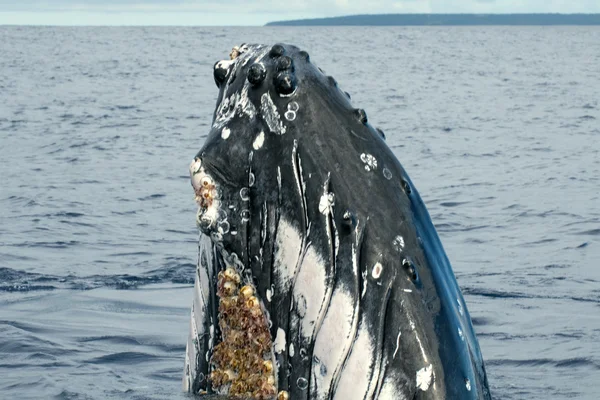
328,189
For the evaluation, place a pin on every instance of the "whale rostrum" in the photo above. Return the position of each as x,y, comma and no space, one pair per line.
320,274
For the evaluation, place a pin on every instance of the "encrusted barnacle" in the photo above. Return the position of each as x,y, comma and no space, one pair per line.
247,291
232,275
235,52
283,395
241,362
206,193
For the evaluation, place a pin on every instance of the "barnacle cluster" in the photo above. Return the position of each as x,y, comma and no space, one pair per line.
242,363
206,193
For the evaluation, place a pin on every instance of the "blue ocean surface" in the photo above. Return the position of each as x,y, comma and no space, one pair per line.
498,127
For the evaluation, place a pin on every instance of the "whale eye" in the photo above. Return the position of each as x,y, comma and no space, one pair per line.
406,186
410,269
361,115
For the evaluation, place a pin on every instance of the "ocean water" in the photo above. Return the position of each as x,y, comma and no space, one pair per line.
498,127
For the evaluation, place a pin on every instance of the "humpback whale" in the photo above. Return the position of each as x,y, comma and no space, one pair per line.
320,274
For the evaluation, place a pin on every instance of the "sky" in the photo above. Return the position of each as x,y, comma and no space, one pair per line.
241,12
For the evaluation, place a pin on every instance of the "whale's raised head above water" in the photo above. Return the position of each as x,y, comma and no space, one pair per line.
320,273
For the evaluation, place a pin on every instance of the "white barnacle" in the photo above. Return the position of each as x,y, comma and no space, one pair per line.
270,294
293,106
398,243
290,115
425,377
377,269
225,133
387,173
369,161
195,166
279,344
259,141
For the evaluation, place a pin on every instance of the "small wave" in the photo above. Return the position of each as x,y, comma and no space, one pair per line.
21,281
124,358
453,203
518,295
593,232
577,362
152,197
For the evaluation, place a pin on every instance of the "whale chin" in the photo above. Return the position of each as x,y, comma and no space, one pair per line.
320,274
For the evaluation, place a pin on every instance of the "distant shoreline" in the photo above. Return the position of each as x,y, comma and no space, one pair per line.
447,20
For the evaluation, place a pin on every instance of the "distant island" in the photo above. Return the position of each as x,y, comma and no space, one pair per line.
446,20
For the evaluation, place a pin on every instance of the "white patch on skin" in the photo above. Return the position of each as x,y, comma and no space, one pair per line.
460,334
292,352
224,64
369,161
226,110
468,384
356,376
377,269
326,203
225,133
288,245
397,344
271,115
310,285
244,104
279,344
425,377
269,295
365,281
389,389
398,243
407,290
336,328
195,167
259,141
412,326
